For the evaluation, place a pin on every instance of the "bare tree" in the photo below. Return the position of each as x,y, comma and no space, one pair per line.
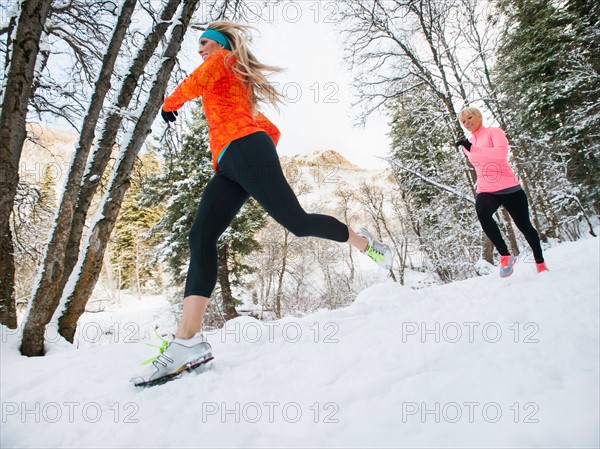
373,200
401,47
346,197
433,49
87,272
77,31
24,52
44,298
107,140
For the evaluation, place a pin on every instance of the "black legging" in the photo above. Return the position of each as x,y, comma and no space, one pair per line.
486,204
249,168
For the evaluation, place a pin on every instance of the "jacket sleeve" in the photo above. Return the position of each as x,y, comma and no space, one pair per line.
265,124
194,86
498,150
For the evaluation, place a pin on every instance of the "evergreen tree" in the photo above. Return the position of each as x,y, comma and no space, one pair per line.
132,248
549,80
47,200
419,132
179,186
423,163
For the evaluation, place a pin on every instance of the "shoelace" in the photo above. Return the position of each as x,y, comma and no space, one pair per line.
161,349
378,248
376,253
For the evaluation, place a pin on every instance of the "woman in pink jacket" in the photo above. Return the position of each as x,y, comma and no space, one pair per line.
497,185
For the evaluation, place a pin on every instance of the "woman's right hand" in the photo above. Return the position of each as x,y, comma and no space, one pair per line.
168,116
464,143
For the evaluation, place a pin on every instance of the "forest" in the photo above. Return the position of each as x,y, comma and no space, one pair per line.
130,194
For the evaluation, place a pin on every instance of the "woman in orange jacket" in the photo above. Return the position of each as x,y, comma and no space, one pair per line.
232,83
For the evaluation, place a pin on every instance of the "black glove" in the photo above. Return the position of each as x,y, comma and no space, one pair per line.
168,116
465,143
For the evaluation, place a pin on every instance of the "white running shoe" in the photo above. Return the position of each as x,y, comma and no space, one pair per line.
379,252
175,356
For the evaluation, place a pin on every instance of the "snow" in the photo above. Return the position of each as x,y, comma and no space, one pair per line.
485,362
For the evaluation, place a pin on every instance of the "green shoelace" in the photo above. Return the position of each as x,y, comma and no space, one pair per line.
374,254
161,349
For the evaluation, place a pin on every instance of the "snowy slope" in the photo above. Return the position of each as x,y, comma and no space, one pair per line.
479,363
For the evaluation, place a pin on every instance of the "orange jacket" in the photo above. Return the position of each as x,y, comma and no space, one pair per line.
225,101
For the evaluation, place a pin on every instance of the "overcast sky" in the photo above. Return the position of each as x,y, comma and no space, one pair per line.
303,38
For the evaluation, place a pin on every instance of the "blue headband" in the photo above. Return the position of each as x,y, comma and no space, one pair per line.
218,37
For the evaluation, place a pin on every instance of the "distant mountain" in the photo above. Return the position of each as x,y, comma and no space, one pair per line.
327,168
322,158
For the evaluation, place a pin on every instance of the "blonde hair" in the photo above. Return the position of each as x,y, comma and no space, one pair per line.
249,69
469,110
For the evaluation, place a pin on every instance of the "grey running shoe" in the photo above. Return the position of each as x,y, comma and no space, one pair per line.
379,252
506,265
175,356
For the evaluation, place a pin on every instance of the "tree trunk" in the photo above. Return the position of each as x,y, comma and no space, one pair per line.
532,208
394,243
138,283
110,129
16,93
548,210
284,255
108,269
345,209
488,249
226,294
44,299
89,267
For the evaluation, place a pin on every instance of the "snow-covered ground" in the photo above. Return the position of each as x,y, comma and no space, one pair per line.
486,362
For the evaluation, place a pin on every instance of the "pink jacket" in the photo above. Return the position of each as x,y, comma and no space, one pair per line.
489,157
